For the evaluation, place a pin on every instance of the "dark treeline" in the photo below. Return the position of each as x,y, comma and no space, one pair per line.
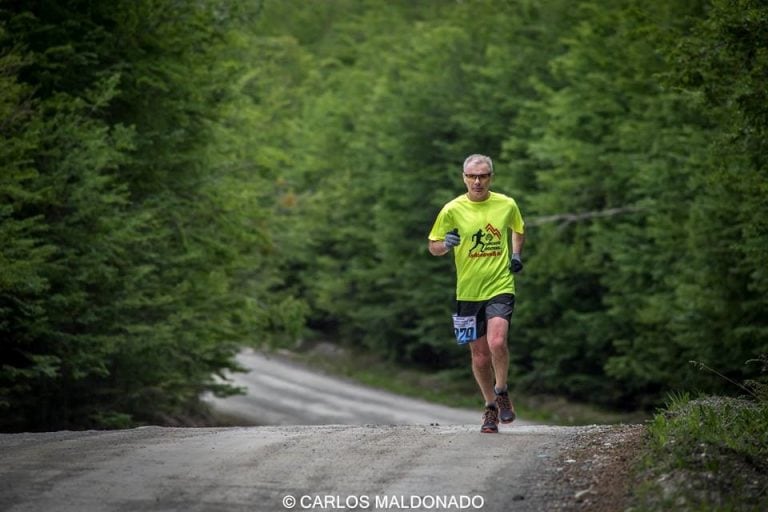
179,178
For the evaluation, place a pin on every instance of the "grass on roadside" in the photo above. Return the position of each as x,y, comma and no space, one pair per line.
707,454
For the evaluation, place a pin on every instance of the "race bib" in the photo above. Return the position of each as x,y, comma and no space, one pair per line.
465,329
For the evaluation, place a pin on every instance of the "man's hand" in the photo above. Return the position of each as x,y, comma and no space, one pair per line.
452,239
515,264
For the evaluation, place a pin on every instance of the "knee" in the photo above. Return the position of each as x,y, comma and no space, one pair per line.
497,343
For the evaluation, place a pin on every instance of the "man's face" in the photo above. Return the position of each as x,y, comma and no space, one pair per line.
477,178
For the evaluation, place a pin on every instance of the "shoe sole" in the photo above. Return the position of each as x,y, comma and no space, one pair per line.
505,421
501,419
489,430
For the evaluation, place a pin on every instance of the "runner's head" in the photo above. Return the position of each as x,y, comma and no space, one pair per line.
472,159
478,170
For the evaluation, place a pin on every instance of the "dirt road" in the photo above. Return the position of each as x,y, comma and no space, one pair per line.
385,465
265,468
280,392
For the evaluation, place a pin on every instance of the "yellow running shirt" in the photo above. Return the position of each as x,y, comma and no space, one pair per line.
482,257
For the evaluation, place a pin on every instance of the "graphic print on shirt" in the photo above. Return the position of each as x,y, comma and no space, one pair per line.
486,243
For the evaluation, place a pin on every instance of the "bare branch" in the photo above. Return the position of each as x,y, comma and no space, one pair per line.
567,218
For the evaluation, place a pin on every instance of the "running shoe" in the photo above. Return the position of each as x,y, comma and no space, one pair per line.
490,420
506,412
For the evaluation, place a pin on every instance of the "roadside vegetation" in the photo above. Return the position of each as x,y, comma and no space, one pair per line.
708,453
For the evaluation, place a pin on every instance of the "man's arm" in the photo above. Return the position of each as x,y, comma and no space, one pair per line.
438,248
516,260
518,240
441,247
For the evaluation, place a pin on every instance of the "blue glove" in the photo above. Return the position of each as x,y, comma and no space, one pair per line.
516,264
452,239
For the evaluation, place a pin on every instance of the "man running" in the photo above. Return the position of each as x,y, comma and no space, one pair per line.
485,285
478,239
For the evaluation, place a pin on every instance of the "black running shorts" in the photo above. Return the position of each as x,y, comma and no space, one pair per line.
501,305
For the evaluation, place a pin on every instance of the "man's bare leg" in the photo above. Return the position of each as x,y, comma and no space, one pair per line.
482,368
498,327
497,344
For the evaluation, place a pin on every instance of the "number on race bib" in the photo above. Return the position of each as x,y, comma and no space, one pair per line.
465,329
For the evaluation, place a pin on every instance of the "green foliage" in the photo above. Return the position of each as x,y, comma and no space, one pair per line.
180,178
755,388
133,255
759,386
609,307
584,112
722,64
706,454
62,224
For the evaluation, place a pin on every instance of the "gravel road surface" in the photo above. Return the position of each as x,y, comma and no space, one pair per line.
345,467
280,392
374,452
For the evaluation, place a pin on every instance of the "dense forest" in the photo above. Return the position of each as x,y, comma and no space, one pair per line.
181,178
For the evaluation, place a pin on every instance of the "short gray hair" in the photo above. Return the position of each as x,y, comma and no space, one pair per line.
478,158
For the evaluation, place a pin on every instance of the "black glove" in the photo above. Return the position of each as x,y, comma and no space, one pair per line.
452,239
515,264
